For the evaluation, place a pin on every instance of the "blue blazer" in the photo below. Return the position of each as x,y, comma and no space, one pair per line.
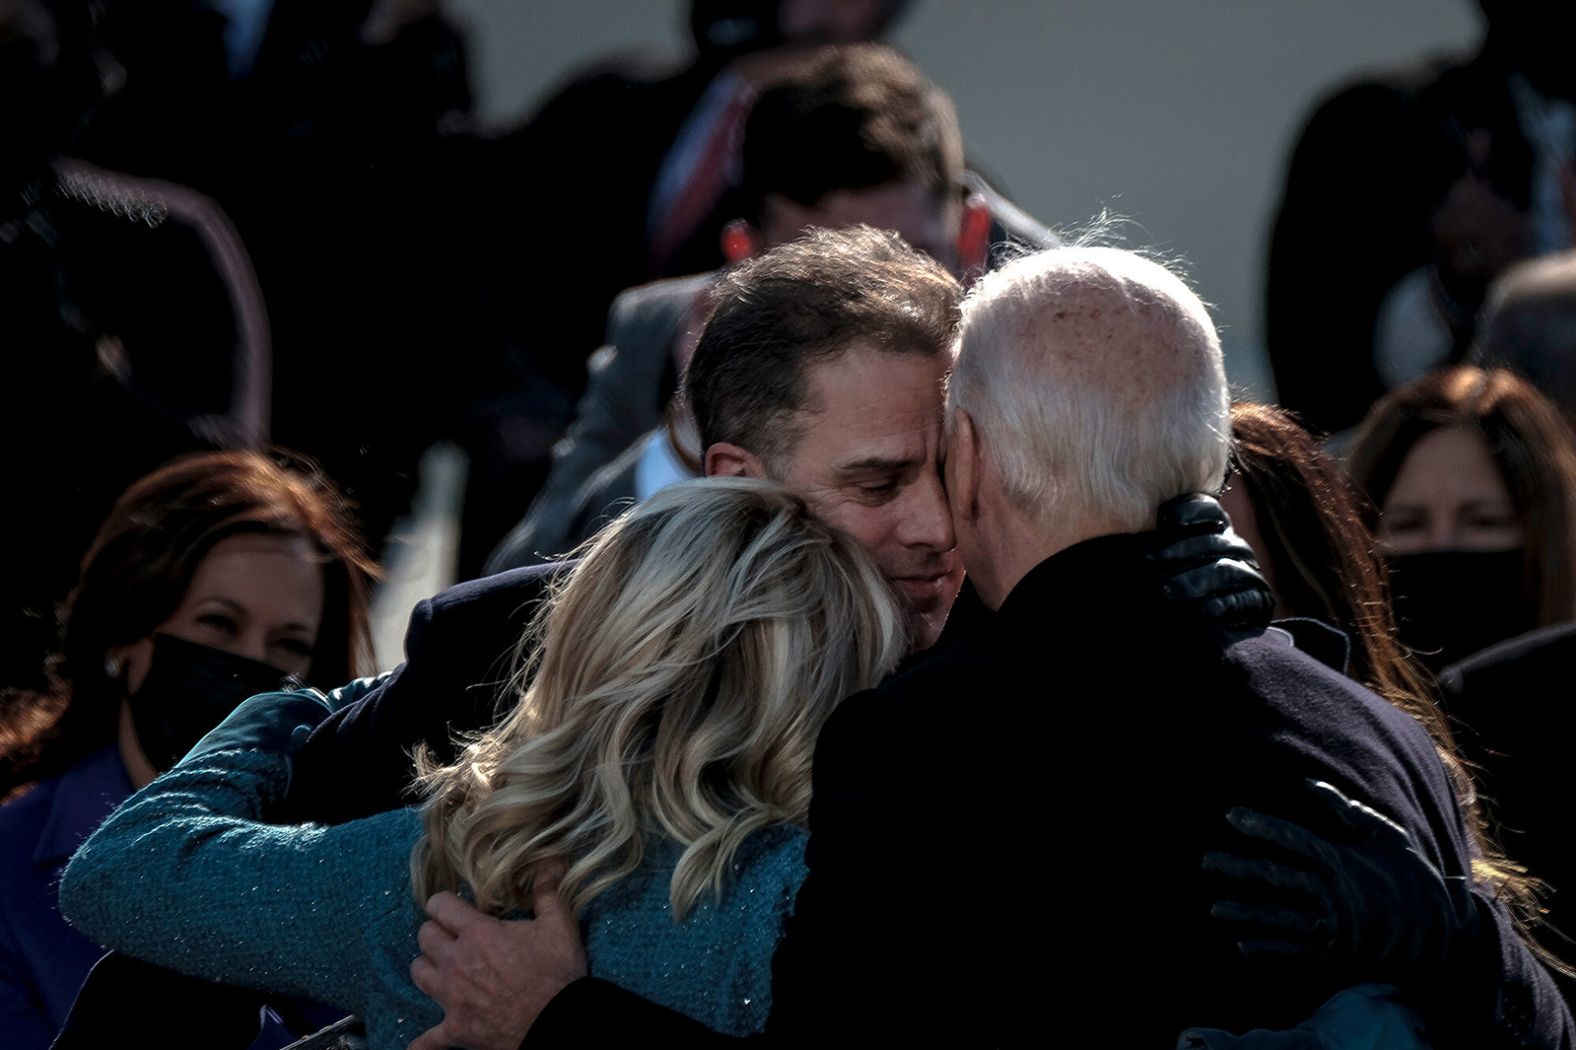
43,960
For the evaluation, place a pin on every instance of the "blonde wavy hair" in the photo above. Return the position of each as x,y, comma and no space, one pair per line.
678,677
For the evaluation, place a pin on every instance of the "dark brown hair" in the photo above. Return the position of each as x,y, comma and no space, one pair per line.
1322,555
800,304
139,567
852,117
1531,446
1325,566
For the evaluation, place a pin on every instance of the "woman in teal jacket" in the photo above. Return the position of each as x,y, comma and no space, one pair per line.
662,752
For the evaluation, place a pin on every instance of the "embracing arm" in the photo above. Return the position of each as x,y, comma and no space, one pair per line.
186,876
459,652
1353,892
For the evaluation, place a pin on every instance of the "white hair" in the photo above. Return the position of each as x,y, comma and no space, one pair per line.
1094,379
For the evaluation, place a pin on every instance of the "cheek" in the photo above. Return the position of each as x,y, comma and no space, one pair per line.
135,660
870,527
1499,536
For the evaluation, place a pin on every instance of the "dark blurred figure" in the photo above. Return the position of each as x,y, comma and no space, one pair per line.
218,576
1295,507
131,320
1406,195
619,166
847,135
1529,326
1512,705
1473,475
323,129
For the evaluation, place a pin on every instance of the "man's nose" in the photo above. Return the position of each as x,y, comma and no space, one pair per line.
927,518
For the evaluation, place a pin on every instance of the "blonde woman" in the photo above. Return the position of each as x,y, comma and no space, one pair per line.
662,752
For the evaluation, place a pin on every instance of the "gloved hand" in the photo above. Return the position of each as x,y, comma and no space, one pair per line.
349,693
1352,892
273,722
1209,566
1367,1017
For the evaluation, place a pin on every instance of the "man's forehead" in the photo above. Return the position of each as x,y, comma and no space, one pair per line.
866,405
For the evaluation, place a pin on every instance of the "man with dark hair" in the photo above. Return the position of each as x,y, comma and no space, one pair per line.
856,134
820,368
848,135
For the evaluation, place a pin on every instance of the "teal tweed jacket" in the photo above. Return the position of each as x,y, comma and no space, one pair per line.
187,875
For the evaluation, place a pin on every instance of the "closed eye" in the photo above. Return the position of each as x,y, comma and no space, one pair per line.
219,622
295,646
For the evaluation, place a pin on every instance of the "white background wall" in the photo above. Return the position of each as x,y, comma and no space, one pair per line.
1176,113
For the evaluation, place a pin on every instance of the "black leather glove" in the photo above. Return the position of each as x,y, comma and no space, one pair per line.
1209,566
1352,892
274,722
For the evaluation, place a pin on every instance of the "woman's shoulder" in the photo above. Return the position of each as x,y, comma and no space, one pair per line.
715,965
57,813
772,854
769,857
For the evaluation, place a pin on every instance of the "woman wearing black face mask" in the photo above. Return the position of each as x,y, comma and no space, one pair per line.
1473,473
214,578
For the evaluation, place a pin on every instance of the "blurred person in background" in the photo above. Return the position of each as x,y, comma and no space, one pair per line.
218,576
1529,327
848,135
1444,174
640,142
1511,704
1471,478
330,131
1295,506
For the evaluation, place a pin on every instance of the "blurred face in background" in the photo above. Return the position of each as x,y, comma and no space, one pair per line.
248,620
1449,495
909,209
1456,549
830,21
258,597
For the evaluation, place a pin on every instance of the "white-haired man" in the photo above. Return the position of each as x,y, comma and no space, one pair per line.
1025,834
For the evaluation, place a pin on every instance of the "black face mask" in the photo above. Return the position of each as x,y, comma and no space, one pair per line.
1451,604
188,690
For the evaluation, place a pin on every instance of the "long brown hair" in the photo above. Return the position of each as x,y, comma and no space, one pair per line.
1529,442
1325,566
138,569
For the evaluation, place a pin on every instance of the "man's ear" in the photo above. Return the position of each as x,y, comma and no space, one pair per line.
727,460
963,466
741,241
974,236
